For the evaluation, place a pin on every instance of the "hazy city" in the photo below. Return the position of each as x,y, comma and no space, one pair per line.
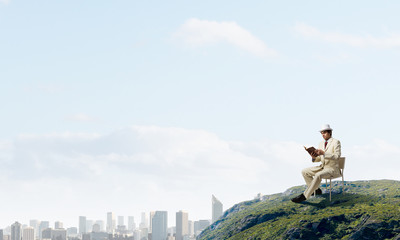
120,120
150,226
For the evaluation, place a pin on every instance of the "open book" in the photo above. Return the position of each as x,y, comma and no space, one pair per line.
311,151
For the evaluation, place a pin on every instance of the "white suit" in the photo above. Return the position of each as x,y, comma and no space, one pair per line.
329,166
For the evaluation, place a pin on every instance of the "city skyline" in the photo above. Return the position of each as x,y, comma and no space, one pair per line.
110,224
80,223
183,229
140,106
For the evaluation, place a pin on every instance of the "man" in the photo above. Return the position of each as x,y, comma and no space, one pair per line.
328,153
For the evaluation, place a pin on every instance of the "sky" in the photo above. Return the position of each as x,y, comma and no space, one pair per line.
138,106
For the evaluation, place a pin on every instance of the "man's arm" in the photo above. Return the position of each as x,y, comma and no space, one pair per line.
316,159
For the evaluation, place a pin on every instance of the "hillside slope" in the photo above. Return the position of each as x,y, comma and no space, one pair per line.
365,210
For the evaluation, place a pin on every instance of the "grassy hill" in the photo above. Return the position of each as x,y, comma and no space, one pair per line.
365,210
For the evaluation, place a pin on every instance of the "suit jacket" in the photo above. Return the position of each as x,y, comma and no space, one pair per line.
330,160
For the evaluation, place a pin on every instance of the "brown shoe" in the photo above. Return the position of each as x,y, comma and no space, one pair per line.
317,192
299,198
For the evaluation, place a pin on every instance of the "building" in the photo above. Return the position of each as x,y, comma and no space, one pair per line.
121,221
58,225
151,215
216,209
46,233
131,223
137,234
1,234
42,226
16,231
182,225
28,233
82,224
144,221
191,228
72,231
99,236
171,231
159,225
89,225
58,234
96,228
110,222
86,236
101,224
35,224
200,225
144,233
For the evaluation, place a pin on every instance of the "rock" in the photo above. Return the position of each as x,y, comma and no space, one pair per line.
293,233
373,230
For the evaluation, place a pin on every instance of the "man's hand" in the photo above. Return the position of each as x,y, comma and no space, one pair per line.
319,152
314,154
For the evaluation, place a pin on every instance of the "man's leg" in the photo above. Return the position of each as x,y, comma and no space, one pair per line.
309,173
316,182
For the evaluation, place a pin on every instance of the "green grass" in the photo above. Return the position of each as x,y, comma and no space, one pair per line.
364,208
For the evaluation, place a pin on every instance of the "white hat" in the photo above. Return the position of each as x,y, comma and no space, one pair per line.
325,127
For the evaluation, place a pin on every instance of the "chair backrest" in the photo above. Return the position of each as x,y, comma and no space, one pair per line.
341,163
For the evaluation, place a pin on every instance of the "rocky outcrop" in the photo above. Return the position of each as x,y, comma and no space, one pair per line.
363,210
372,229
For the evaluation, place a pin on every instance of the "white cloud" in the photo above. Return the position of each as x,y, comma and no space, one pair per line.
4,1
135,166
376,160
196,32
144,168
393,40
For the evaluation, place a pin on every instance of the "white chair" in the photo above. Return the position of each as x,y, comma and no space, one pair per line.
341,168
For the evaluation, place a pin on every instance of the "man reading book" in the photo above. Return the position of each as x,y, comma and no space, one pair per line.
328,153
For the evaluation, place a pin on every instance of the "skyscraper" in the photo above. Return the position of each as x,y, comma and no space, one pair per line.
42,226
16,231
89,226
151,215
82,224
182,225
110,222
131,223
159,225
28,233
216,209
121,221
191,228
144,221
1,234
35,225
101,224
58,225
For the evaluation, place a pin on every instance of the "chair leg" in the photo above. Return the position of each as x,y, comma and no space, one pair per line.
326,184
330,189
342,184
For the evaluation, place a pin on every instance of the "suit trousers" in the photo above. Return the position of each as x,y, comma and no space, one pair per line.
313,177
